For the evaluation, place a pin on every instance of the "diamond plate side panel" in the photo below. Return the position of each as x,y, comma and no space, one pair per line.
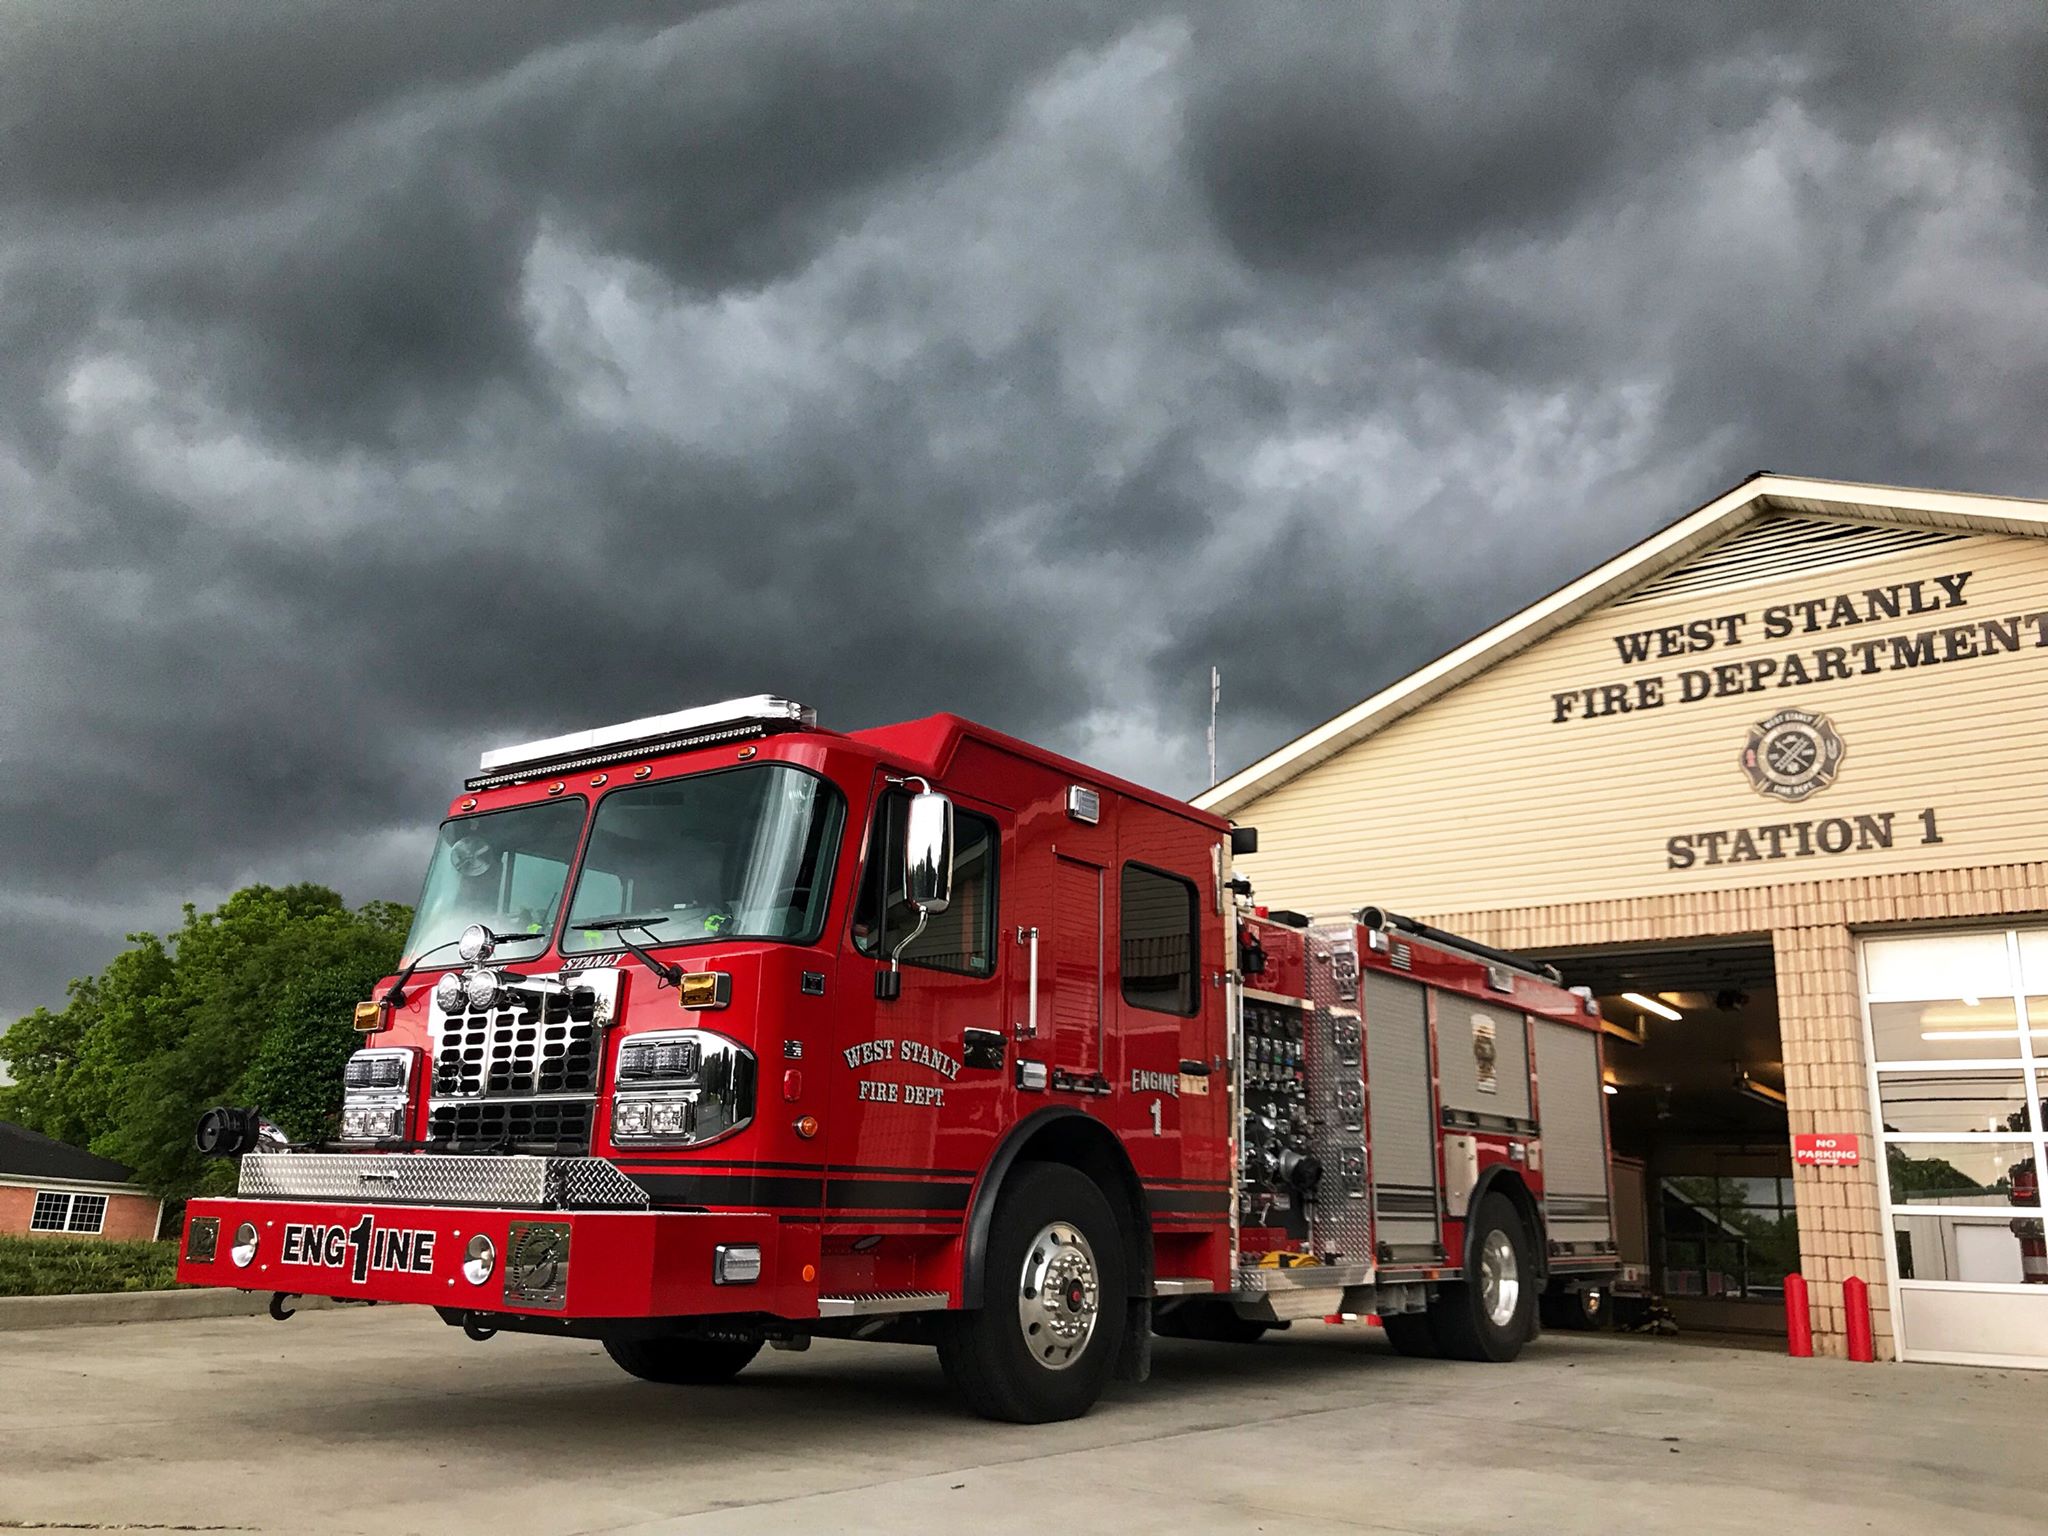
591,1183
1333,1058
542,1183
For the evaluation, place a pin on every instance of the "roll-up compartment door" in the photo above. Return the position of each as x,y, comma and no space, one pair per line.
1482,1057
1401,1112
1575,1202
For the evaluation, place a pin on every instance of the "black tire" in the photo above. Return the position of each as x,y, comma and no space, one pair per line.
1034,1352
1411,1335
683,1362
1491,1314
1578,1308
1211,1320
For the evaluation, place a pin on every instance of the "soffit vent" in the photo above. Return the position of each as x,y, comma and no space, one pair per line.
1785,546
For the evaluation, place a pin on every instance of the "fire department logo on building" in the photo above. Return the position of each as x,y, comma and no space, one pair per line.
1793,754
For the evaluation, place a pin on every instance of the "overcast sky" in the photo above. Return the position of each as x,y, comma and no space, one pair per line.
382,382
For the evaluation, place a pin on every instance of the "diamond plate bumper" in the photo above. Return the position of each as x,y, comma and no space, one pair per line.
431,1178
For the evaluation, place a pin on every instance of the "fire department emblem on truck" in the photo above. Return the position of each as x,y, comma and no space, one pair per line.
1793,754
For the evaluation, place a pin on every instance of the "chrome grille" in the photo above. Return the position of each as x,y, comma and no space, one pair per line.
524,1073
535,1042
542,1125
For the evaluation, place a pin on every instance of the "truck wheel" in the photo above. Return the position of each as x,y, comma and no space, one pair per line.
683,1362
1042,1344
1212,1320
1411,1335
1491,1314
1580,1308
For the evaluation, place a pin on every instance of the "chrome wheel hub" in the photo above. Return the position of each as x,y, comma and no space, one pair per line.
1500,1279
1059,1296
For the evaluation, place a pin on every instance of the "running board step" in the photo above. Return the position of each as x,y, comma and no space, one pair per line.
1172,1287
882,1301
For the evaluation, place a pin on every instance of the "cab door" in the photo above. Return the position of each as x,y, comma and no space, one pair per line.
921,1075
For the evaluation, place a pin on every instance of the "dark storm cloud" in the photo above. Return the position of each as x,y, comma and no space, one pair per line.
379,382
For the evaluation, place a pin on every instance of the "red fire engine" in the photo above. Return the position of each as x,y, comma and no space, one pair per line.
719,1029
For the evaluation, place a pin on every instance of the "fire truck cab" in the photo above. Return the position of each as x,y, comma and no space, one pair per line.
718,1029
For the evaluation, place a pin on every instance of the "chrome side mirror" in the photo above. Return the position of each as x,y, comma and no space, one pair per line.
928,853
927,876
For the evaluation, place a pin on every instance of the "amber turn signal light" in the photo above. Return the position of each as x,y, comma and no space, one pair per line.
807,1127
369,1017
705,989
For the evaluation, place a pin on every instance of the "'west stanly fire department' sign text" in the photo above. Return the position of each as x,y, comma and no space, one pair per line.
1841,654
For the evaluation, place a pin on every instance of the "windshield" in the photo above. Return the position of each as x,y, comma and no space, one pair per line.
744,853
504,869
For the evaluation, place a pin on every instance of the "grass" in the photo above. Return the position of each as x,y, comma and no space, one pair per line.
69,1266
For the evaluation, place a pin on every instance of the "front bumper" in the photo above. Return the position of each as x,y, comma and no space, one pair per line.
549,1263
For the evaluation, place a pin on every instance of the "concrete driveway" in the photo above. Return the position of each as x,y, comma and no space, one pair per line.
387,1422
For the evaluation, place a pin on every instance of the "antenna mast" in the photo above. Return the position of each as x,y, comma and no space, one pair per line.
1215,694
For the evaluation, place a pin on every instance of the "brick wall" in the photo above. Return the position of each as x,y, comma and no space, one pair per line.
128,1216
1812,927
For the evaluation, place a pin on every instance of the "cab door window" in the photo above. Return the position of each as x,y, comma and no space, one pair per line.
959,939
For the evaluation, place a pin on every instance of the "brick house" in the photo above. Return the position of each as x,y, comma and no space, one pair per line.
49,1187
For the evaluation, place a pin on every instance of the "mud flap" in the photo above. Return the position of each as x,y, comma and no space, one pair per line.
1134,1360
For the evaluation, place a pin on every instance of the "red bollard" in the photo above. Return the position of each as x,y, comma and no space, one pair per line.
1856,1303
1798,1319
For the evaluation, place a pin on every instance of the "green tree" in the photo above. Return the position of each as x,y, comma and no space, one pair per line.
249,1003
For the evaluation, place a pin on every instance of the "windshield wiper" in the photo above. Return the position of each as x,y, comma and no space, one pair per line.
670,975
394,995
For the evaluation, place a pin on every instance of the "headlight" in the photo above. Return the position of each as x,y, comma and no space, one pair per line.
646,1119
687,1087
482,989
448,993
243,1253
476,943
631,1117
372,1122
387,1069
670,1118
661,1057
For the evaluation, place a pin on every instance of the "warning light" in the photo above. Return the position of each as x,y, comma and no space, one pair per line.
807,1127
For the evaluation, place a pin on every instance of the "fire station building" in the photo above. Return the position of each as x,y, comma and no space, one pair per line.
1773,784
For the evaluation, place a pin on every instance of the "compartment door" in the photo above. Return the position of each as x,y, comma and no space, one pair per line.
1401,1109
1078,965
1576,1206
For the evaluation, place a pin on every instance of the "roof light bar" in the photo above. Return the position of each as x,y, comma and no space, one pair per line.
732,720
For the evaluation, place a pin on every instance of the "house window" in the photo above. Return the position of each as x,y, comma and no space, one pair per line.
56,1211
88,1213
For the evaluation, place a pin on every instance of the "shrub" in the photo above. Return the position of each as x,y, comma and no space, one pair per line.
70,1266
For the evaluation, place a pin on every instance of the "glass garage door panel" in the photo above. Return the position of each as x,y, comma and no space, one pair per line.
1958,1036
1946,1102
1950,965
1988,1249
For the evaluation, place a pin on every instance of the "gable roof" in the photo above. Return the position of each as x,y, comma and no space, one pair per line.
32,1155
1762,494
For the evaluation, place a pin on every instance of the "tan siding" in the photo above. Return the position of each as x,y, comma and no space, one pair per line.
1480,802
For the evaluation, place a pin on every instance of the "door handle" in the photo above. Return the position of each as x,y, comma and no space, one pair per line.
1194,1069
1028,1030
